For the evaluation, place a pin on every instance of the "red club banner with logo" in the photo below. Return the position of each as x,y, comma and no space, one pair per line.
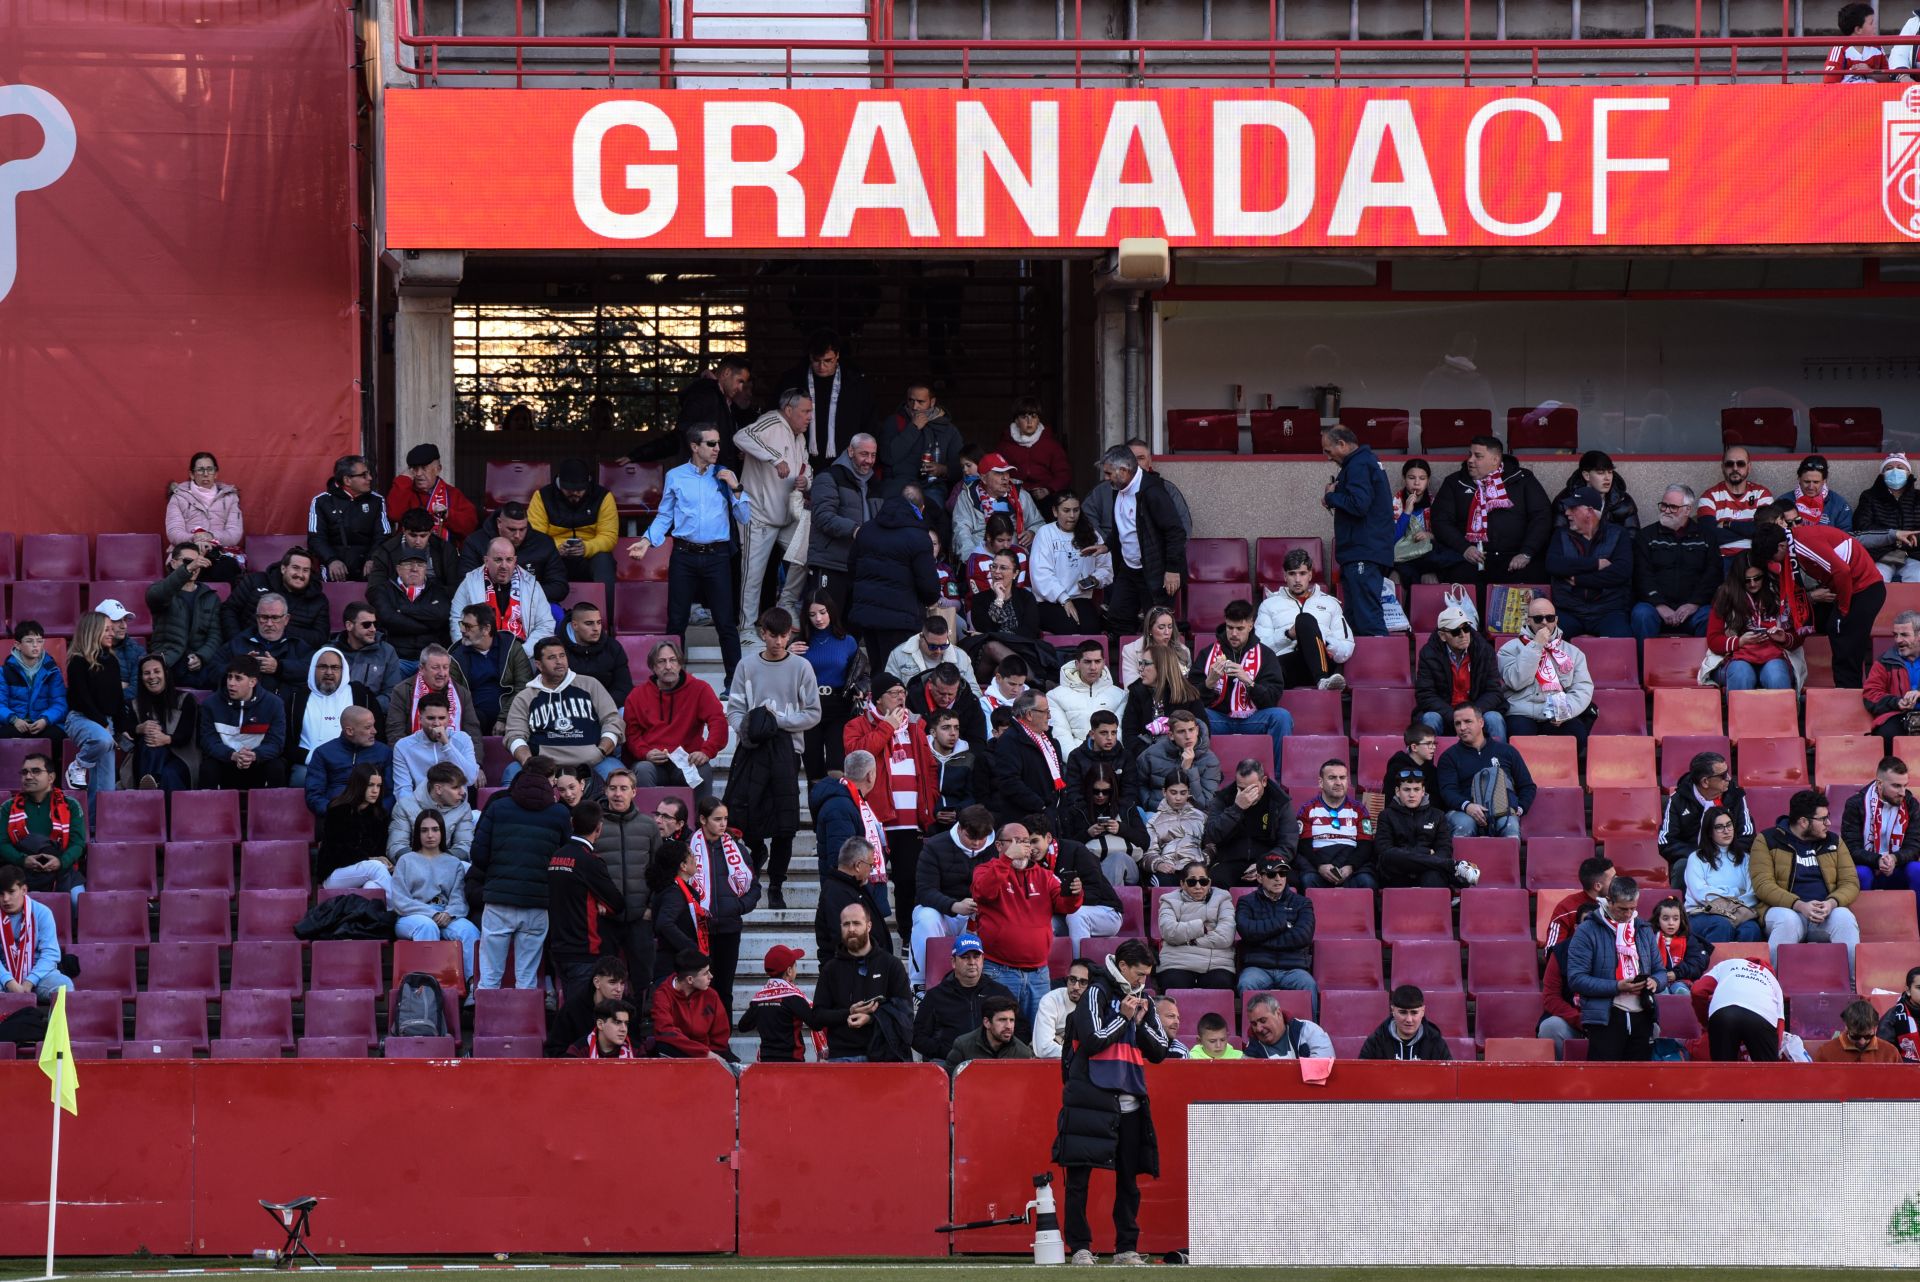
177,264
1077,169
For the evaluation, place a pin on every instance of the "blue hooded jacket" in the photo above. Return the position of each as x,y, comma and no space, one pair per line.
25,698
1362,503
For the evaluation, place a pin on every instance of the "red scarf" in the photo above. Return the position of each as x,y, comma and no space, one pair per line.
700,914
871,830
512,621
1239,702
1794,605
1672,949
739,872
20,948
1879,812
59,815
777,990
1489,495
593,1049
1811,509
439,499
453,701
1016,510
1050,753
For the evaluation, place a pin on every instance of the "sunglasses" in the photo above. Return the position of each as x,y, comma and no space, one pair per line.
1196,881
1460,631
1543,618
1734,462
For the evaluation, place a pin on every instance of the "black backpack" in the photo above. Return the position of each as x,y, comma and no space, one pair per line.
419,1007
26,1026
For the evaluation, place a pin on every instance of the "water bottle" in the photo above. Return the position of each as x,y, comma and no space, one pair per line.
266,1255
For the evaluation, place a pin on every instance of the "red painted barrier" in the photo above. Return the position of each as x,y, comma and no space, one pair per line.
846,1159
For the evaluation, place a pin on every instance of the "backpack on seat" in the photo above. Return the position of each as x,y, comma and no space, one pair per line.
419,1008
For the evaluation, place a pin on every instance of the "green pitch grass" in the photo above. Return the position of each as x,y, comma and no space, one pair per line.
572,1269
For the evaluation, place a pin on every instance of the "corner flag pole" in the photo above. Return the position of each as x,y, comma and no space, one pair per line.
53,1179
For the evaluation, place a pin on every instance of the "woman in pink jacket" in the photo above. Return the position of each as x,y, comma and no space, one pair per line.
204,511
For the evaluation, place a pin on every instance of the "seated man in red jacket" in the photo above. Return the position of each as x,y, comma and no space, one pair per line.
673,710
612,1025
689,1019
1561,1004
1017,897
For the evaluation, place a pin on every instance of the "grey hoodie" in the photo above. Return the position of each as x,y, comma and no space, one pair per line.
1161,758
459,816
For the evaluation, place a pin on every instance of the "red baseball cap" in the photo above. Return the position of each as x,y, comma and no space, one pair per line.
996,463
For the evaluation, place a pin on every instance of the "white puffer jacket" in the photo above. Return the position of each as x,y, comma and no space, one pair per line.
1196,937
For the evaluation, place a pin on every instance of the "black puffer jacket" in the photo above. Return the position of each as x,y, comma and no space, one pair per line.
1677,567
184,623
537,555
1239,837
306,611
515,838
892,570
410,626
763,789
605,661
945,872
947,1011
1433,678
1407,843
345,528
628,839
1523,527
1089,1127
1880,508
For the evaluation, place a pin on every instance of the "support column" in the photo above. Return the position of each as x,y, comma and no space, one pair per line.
423,352
1110,366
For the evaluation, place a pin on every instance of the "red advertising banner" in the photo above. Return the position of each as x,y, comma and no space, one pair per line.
177,262
1590,165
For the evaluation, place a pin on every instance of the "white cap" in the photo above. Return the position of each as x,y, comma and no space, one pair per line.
113,610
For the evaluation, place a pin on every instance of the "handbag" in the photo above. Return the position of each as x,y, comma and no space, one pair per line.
1408,548
1732,909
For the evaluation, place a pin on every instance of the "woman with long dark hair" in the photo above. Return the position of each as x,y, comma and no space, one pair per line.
680,924
1067,563
1099,819
1161,691
838,664
1749,628
353,833
1720,902
166,730
728,889
428,891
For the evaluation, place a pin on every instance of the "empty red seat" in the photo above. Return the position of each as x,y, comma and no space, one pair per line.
122,865
199,865
1495,912
1675,1015
129,815
1447,1011
1557,812
1351,1012
1548,426
1270,558
1554,862
1673,663
1768,804
1286,430
1428,964
1523,1050
1306,753
113,917
1619,710
1194,1003
1503,966
635,487
640,607
1382,430
1813,968
651,568
340,1013
1316,712
1774,762
1846,762
271,914
105,968
1837,712
1759,427
1552,760
346,964
1620,761
507,1013
448,1047
1879,967
1379,661
55,606
14,751
55,556
334,1047
1347,963
1207,605
195,916
514,480
1885,916
205,816
267,966
1416,913
1845,427
128,556
1452,429
264,550
1758,714
1624,812
169,1020
1217,561
278,814
1232,749
1385,711
1203,431
184,967
275,865
1638,857
1497,858
95,1021
1505,1014
1341,913
441,959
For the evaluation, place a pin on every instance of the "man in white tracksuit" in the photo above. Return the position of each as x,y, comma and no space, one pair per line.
1085,688
773,452
1305,660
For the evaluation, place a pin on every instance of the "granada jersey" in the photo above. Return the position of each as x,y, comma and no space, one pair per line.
1720,505
1853,64
1749,985
1835,559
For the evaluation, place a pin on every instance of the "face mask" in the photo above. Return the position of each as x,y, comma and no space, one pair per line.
1896,479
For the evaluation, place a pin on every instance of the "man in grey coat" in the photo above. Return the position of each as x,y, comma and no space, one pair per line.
843,498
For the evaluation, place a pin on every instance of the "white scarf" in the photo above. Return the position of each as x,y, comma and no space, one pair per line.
321,722
1024,442
1886,824
593,1049
739,872
19,945
420,688
833,406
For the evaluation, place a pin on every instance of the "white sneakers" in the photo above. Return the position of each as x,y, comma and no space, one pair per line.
1131,1257
76,775
1334,682
1083,1258
1466,874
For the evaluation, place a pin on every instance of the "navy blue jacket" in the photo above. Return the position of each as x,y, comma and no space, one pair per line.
1591,966
1459,764
1275,934
835,818
1362,503
1579,583
329,765
892,571
513,842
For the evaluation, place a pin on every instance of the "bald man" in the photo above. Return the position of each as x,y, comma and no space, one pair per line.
500,582
329,765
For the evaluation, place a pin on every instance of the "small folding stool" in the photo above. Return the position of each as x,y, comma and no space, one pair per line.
293,1217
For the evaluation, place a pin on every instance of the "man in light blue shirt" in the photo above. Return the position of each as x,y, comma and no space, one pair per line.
699,499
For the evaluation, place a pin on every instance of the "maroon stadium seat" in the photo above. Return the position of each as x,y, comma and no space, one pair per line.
1813,968
1624,812
1503,966
1759,427
1557,812
1383,710
1300,772
1497,1014
14,751
335,1047
640,608
271,914
1341,913
514,480
635,487
1433,965
505,1020
1232,749
1217,561
1351,1012
275,865
1675,1015
60,904
105,968
95,1019
1620,711
1452,429
439,958
652,568
268,966
1347,963
1497,858
1195,1002
349,964
59,557
446,1048
1270,556
1554,862
246,1047
174,967
122,865
278,814
337,1013
1678,750
1203,431
199,865
195,916
205,816
1447,1011
55,606
169,1019
1495,913
1317,712
264,550
1383,430
131,816
1207,605
1415,913
1379,661
113,917
135,557
1531,427
1845,427
1612,661
1286,430
1814,1017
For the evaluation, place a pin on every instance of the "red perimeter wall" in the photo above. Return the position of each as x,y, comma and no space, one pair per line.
641,1158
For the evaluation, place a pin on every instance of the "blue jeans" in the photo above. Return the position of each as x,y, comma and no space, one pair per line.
1647,622
1464,825
168,770
94,750
1275,723
1363,598
706,578
1496,724
1718,930
526,930
1027,987
1255,978
1775,674
419,926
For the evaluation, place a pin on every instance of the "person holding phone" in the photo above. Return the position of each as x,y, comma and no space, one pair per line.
1016,897
1610,964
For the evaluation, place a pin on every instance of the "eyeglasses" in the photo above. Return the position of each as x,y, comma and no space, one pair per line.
665,814
1820,819
1196,881
270,618
1673,507
358,476
1077,983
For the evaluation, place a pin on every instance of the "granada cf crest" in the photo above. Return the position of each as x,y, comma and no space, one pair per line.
1900,161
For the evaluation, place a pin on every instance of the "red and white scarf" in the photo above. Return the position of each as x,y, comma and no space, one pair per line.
513,620
1239,702
593,1049
19,947
1894,819
871,830
453,701
739,871
1795,606
59,818
1812,510
778,990
437,503
1626,954
1672,949
1016,510
1050,754
1489,495
700,914
1556,663
903,775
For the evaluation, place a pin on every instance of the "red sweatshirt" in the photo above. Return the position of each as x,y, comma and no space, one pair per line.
461,518
1834,558
691,1025
1015,921
1044,463
688,716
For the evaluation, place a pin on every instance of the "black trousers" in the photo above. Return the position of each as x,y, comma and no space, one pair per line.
637,943
1126,1193
1055,619
724,953
1308,663
1171,980
826,747
1578,728
1626,1036
1853,643
903,870
837,584
705,578
1129,598
262,774
1732,1028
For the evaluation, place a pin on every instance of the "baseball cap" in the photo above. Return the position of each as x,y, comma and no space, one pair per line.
421,455
572,474
968,943
113,610
1585,496
412,554
1453,617
996,463
1276,866
780,958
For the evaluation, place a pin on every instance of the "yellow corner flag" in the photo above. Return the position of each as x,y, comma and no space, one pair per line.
55,1048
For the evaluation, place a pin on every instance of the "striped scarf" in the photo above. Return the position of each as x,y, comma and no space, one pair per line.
739,873
59,818
19,946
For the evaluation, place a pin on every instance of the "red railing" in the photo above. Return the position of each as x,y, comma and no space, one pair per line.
1079,62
